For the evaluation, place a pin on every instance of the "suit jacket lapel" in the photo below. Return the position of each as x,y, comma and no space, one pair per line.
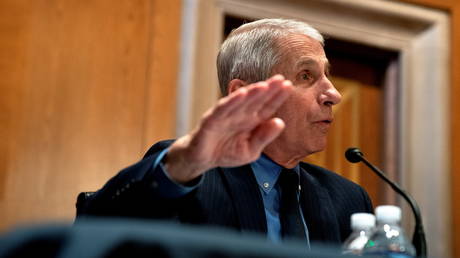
246,198
318,210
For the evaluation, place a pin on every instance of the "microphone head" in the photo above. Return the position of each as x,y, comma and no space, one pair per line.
353,155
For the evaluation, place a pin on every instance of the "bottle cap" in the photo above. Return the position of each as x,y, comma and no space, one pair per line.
388,214
362,221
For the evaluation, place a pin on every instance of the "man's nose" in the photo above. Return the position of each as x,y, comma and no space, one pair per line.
331,96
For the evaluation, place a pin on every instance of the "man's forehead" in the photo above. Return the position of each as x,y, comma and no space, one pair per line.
297,45
310,61
303,40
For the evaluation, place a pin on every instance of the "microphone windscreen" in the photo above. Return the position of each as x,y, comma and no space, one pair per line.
353,155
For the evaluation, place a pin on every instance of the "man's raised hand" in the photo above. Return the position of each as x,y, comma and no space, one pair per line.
232,133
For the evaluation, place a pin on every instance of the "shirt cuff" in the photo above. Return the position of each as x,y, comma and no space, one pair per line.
165,185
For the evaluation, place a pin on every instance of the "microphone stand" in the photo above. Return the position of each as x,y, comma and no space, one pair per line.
354,155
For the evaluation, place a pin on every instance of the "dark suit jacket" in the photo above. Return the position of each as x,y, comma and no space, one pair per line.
230,197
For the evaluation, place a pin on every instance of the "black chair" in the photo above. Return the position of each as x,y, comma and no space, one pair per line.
81,201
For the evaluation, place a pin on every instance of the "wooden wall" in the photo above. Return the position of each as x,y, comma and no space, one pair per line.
85,88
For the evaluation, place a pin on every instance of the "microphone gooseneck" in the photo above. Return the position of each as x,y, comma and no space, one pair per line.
354,155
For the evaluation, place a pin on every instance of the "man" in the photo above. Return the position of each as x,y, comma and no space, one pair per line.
227,172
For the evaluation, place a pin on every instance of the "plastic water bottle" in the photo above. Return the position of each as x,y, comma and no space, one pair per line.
361,224
388,238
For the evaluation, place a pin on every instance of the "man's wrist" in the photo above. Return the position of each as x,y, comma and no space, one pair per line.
180,164
166,186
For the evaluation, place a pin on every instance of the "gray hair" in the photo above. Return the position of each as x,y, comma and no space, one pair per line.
250,52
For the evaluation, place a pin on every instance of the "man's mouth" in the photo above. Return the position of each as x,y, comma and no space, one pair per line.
326,121
324,124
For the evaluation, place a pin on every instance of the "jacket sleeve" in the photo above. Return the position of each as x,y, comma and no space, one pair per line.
141,190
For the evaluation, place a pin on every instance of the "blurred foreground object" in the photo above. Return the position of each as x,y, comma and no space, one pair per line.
137,238
362,224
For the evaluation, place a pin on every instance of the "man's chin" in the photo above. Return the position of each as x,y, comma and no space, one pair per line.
314,151
296,149
318,146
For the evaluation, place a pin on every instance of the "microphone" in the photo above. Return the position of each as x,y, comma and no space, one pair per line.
354,155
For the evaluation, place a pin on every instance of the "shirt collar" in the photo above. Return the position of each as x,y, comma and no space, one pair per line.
267,172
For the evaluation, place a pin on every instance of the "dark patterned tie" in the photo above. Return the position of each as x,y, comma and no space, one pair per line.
291,221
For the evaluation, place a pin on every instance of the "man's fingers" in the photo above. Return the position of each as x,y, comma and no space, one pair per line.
225,106
259,94
244,97
256,93
271,88
265,133
249,100
271,105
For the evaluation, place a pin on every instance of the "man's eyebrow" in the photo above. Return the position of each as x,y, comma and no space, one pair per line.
313,62
306,62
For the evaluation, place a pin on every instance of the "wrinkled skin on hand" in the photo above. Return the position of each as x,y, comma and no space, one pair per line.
233,132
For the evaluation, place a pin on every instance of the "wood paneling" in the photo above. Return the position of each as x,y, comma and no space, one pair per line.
85,85
162,72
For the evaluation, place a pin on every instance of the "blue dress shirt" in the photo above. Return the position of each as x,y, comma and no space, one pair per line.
267,172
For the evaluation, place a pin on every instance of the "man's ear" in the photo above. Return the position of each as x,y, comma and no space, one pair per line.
234,85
